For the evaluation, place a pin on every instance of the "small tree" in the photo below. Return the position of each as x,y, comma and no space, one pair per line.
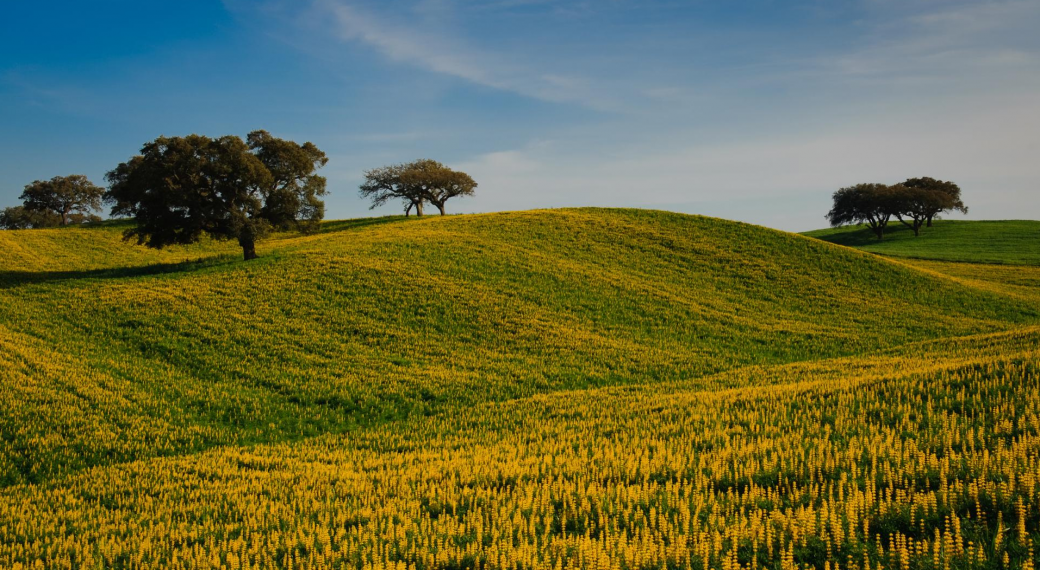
386,183
19,218
60,201
871,204
437,182
914,207
416,183
946,196
180,188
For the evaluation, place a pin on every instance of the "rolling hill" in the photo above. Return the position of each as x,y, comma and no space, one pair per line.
463,391
1015,242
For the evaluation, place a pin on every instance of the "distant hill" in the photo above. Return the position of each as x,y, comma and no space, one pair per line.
1005,241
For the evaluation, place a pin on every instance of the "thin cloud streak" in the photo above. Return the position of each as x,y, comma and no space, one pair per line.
411,45
973,38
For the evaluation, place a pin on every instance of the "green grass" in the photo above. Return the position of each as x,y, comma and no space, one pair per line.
1004,241
367,375
376,320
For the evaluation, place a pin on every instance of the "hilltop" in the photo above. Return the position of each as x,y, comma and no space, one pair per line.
1015,242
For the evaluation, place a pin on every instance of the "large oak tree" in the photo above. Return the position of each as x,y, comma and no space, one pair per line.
180,188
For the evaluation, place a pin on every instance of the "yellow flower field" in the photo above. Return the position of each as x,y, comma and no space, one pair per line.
560,389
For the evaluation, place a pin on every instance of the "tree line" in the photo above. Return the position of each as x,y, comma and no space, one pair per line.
181,188
915,202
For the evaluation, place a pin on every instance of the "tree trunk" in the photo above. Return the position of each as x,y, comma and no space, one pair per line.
418,209
929,221
248,248
440,207
408,210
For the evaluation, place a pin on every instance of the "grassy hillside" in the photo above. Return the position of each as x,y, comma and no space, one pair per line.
1004,242
385,321
862,459
530,389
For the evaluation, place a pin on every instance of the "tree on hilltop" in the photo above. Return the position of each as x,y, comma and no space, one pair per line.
60,201
945,196
914,207
386,183
180,188
416,183
871,204
438,183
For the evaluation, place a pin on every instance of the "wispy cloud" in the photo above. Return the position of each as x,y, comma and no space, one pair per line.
417,45
46,93
937,42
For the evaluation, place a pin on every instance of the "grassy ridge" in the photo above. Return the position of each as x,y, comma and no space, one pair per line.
1004,242
379,322
568,388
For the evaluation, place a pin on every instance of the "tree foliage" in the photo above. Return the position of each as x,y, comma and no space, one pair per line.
872,204
945,196
21,218
385,183
914,207
292,199
60,201
416,183
915,203
180,188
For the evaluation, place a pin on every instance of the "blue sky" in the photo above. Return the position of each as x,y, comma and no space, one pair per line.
749,110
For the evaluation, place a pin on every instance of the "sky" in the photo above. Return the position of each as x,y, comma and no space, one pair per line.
748,110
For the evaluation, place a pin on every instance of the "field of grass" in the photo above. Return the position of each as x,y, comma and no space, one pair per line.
999,242
589,388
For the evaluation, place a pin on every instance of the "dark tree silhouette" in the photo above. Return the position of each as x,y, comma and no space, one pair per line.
416,183
60,201
19,218
871,204
946,197
180,188
914,207
386,183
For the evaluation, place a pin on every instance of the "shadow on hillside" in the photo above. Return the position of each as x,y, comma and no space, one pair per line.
344,225
11,279
865,236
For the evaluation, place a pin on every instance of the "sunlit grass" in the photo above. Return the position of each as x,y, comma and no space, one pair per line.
567,388
997,241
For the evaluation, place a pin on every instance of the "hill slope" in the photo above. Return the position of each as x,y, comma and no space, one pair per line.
112,352
1003,242
551,389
